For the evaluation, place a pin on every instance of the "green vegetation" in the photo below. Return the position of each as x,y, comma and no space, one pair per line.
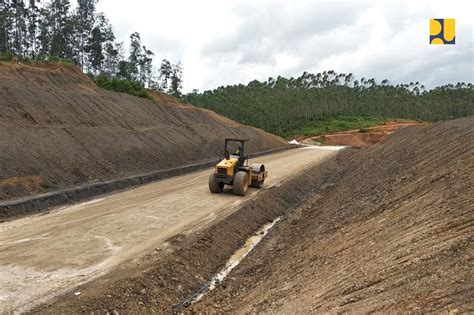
55,31
6,56
287,106
122,86
10,58
333,125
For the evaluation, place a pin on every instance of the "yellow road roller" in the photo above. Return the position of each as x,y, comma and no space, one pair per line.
235,171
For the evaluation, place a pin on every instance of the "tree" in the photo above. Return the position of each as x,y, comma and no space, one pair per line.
5,28
146,67
42,37
165,74
124,70
135,56
84,19
102,37
20,40
113,56
60,29
33,22
95,50
176,80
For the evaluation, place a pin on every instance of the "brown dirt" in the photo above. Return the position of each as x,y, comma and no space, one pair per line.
360,137
168,274
394,233
26,184
57,125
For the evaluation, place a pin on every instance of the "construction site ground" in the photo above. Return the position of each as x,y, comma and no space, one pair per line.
47,255
384,226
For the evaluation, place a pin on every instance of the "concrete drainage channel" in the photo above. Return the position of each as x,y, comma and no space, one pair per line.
233,262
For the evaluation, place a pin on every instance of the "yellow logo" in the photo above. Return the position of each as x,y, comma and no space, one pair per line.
442,31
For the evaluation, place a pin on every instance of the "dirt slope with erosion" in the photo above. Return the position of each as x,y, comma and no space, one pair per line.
57,129
394,233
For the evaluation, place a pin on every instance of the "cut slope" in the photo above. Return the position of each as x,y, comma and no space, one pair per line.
58,129
393,231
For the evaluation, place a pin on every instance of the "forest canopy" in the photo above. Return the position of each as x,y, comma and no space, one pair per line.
283,106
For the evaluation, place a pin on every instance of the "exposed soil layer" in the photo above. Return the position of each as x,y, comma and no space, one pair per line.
163,279
20,207
57,129
394,233
360,137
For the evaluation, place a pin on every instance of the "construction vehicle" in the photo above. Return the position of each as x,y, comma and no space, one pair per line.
234,170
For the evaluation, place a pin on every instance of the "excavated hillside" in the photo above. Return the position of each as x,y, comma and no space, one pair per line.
391,230
58,129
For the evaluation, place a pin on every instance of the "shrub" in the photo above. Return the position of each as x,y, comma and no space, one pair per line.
122,86
6,56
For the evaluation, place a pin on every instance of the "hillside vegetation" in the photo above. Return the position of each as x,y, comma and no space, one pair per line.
336,124
285,106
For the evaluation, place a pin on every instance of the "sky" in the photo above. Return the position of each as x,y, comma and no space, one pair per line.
225,42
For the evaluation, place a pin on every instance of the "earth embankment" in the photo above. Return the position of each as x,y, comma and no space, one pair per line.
392,233
58,129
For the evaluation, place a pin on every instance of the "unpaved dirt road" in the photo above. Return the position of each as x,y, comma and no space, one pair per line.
43,256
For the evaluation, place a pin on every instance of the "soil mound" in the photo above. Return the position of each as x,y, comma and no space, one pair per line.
392,233
57,129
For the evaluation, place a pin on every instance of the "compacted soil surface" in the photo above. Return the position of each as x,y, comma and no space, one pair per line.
58,129
47,255
392,232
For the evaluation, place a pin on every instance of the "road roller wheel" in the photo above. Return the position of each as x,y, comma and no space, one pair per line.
241,184
214,186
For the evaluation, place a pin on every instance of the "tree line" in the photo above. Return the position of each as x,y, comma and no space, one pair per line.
84,36
281,105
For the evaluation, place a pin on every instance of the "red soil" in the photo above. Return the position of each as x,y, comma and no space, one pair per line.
361,137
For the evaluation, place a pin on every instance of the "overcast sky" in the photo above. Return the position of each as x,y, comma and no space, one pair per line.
223,42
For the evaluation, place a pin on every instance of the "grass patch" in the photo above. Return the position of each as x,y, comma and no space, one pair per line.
336,124
122,86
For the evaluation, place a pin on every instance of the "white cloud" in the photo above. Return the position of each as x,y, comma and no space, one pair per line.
229,42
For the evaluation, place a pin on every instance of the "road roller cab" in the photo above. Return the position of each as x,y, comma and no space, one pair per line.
235,171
